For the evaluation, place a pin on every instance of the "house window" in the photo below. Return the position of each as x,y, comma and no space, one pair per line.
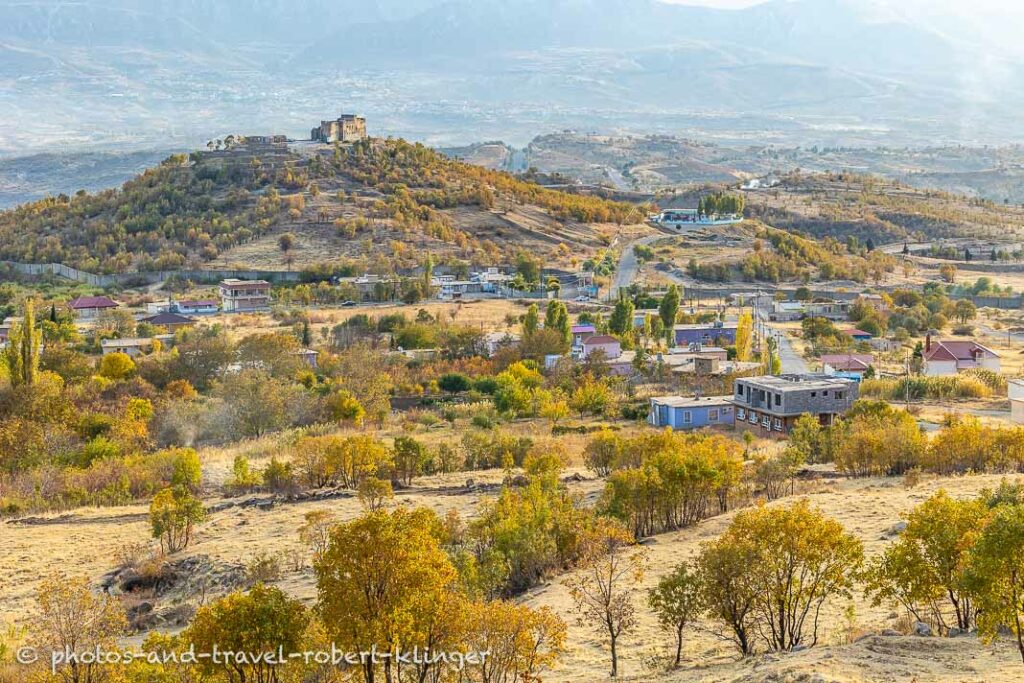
753,417
813,394
825,393
739,389
839,395
687,417
778,425
778,399
713,414
741,414
766,422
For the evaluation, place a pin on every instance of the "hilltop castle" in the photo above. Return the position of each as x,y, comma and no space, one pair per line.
346,128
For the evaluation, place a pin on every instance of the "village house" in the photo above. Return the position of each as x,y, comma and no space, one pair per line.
852,365
600,342
950,357
709,334
244,295
579,332
134,346
858,335
184,307
493,341
875,301
680,412
89,307
345,128
168,321
769,405
783,311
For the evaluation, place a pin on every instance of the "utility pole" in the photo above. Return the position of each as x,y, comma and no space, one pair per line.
907,383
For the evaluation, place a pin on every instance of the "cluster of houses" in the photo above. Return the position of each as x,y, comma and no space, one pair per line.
767,405
696,351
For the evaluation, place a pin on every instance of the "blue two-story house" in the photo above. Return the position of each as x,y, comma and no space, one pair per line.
681,412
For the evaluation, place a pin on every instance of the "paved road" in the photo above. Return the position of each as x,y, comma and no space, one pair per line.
628,266
792,362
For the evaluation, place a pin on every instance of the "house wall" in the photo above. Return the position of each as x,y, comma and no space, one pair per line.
611,350
662,415
936,368
1017,410
706,335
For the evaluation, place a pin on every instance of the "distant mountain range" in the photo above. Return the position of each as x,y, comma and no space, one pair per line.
133,74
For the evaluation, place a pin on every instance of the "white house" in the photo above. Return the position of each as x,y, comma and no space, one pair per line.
949,357
244,295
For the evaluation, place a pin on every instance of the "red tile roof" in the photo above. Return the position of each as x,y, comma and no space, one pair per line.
92,302
848,361
168,319
958,351
853,332
600,339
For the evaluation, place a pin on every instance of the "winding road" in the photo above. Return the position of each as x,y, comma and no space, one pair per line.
628,266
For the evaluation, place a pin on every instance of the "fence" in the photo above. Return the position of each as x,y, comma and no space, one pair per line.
148,277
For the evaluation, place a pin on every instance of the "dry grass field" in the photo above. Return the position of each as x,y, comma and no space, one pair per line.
86,542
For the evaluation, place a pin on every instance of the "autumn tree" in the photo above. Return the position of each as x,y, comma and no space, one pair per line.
172,515
117,366
71,618
744,336
924,570
605,589
263,620
964,310
521,641
375,493
382,581
791,560
315,530
677,600
590,396
994,576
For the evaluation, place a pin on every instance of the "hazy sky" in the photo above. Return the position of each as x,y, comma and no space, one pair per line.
987,6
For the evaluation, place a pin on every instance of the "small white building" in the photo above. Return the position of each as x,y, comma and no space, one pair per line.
238,296
134,346
1015,390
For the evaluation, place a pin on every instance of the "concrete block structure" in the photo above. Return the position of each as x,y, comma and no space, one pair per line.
769,405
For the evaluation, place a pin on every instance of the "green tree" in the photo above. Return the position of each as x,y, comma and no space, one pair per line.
621,320
678,601
22,352
668,309
556,318
172,515
531,321
994,576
